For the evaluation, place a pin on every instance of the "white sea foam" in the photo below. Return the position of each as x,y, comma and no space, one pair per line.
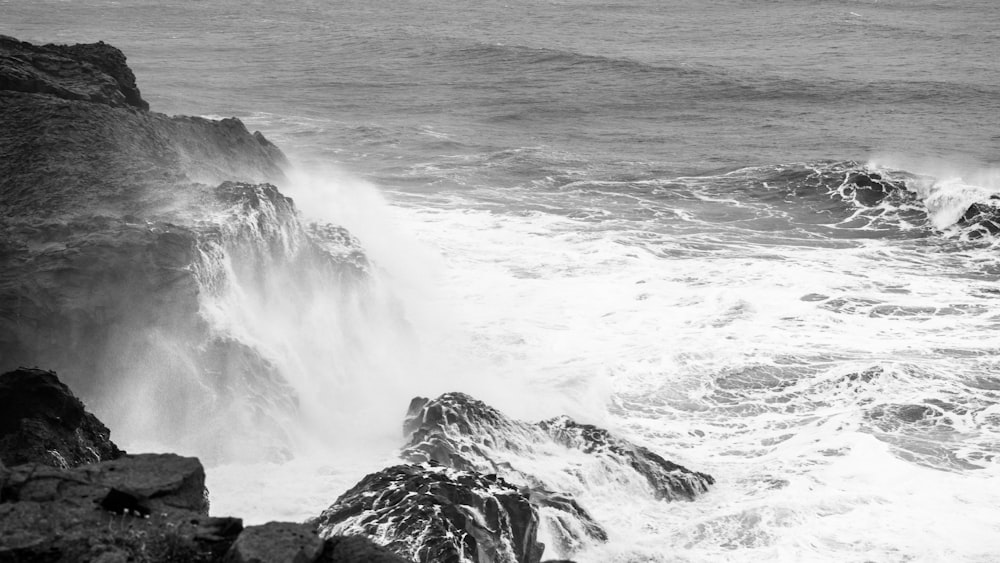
946,188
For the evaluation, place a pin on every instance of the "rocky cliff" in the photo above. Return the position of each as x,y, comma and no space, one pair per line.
117,223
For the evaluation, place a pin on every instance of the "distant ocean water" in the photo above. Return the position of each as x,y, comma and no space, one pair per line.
636,213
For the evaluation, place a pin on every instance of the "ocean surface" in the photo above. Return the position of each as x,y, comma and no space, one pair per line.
634,213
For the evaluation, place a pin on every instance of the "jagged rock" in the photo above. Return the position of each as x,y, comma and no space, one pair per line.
437,514
276,542
985,217
461,432
42,421
668,480
112,231
870,188
96,72
148,507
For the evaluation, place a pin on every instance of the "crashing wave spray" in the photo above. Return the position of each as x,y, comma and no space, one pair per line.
947,189
302,337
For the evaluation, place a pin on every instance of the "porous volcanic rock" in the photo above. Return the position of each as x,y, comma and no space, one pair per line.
42,421
437,514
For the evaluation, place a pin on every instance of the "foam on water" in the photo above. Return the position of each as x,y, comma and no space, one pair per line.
946,188
737,363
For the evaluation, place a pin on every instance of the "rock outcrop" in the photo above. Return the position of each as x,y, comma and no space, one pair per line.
95,73
41,421
458,431
983,218
118,222
437,514
148,507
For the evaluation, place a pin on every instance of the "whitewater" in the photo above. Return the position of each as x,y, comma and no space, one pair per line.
637,214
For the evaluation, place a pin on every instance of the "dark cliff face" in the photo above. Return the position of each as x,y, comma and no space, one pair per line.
41,421
110,233
94,72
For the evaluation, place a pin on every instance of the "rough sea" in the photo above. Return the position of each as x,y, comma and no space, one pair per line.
635,213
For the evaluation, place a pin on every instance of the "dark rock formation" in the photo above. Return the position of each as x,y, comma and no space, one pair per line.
668,480
870,188
984,218
461,432
288,542
117,220
147,507
95,73
436,514
42,421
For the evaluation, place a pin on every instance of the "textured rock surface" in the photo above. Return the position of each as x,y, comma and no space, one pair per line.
461,432
668,480
116,223
983,217
437,514
96,72
357,549
42,421
156,512
276,541
870,188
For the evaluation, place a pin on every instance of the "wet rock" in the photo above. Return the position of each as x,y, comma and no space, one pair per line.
430,513
870,188
148,507
42,421
461,432
567,522
668,480
983,217
276,542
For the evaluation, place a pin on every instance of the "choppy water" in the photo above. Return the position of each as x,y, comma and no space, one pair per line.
634,213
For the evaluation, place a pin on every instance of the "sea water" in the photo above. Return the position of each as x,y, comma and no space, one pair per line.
634,213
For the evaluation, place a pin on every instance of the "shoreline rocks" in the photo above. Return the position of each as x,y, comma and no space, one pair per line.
41,421
110,240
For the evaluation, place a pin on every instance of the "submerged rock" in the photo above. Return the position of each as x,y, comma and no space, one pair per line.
41,421
436,514
870,188
983,217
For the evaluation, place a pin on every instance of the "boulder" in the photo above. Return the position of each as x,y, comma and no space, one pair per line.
148,507
42,421
984,218
429,513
